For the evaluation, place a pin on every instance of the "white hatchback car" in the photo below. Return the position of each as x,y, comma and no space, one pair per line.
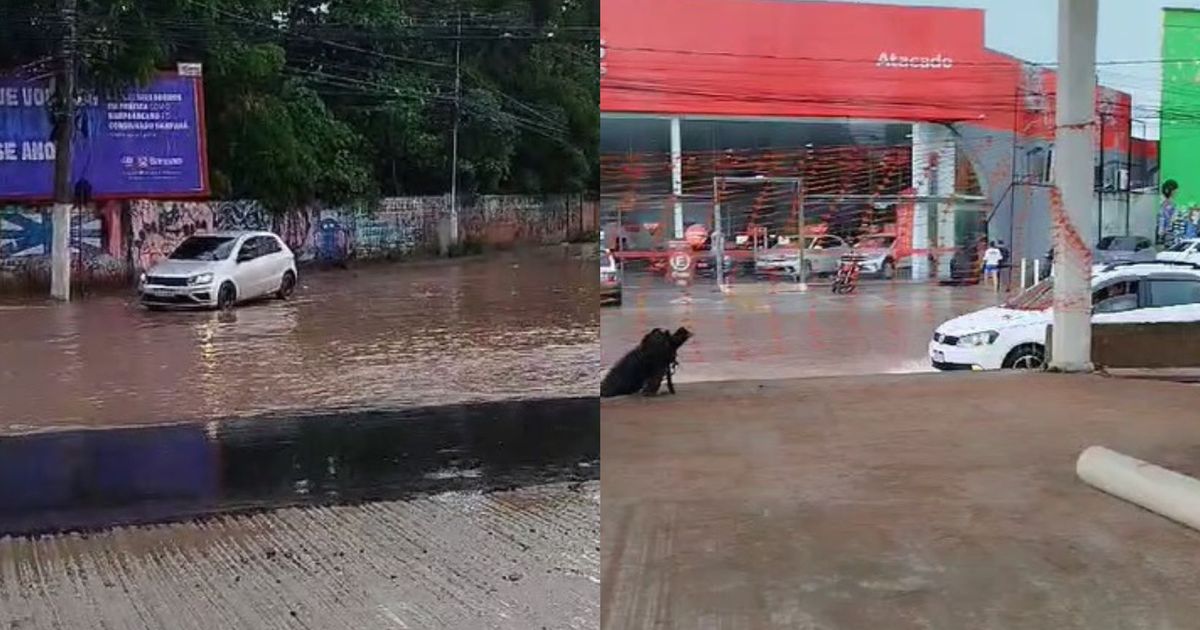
1014,335
220,270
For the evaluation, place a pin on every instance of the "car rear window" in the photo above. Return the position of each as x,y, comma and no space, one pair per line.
1118,243
1174,292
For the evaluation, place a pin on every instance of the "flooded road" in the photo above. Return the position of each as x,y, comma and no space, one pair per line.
884,327
401,446
511,325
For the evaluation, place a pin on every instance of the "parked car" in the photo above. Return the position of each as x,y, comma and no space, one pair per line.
1014,335
877,255
1123,248
1186,250
610,279
220,270
822,254
706,260
706,264
966,266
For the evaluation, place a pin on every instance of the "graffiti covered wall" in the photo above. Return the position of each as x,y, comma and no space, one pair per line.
114,242
501,221
158,227
26,234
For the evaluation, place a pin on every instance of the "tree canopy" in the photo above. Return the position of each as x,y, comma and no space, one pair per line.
341,100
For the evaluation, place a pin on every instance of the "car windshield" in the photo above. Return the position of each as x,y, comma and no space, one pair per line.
204,248
1180,247
1037,298
877,242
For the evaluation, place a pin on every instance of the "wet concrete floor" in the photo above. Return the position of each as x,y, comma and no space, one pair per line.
509,325
893,501
769,331
515,560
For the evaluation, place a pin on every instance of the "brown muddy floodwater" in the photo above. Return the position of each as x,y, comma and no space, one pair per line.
511,325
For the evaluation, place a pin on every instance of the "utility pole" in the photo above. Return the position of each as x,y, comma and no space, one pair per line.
1100,177
454,148
64,135
1075,146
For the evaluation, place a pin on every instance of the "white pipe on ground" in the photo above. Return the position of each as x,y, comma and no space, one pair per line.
1157,489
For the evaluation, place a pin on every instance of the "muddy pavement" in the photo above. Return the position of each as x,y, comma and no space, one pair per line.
510,325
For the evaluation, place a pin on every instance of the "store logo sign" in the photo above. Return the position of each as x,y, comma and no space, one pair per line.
892,60
603,52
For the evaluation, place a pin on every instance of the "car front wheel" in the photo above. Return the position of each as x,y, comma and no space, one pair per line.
226,296
287,286
1027,357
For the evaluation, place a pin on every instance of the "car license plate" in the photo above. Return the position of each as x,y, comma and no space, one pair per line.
939,356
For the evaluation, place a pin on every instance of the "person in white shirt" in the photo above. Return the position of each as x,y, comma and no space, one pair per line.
991,265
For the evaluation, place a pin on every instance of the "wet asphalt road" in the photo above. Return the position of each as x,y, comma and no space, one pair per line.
93,479
762,331
515,325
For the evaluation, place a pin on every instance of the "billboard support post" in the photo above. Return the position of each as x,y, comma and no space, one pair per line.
1074,144
64,117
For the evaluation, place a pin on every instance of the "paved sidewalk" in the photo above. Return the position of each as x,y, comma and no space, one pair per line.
918,501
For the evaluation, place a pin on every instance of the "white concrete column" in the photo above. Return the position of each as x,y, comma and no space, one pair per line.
945,238
920,241
60,252
677,176
933,176
1074,155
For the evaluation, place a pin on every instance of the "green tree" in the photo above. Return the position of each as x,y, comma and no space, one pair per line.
309,100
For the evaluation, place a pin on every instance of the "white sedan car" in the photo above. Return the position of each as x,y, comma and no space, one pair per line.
1187,250
822,255
220,270
1014,335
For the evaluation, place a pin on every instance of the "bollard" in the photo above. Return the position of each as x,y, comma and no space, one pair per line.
1023,262
1037,270
1164,492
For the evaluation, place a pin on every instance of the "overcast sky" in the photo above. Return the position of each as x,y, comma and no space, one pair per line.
1128,30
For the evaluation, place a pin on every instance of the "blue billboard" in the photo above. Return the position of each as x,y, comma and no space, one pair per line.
147,144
